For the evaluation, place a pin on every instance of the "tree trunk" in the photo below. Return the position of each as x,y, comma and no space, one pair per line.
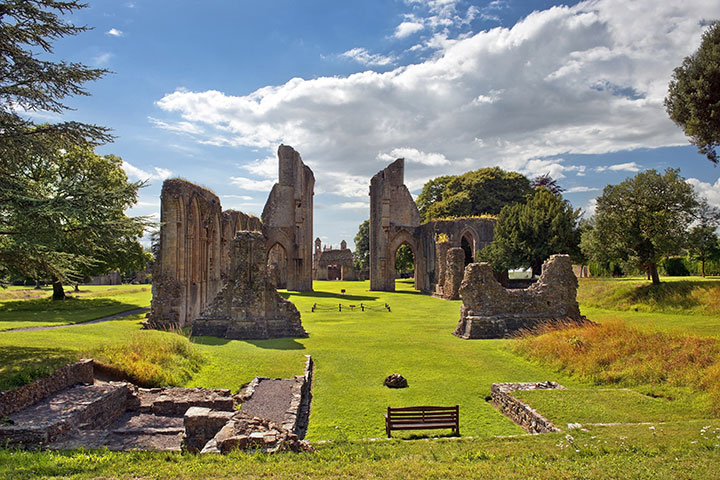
58,292
537,268
77,287
37,284
652,270
702,262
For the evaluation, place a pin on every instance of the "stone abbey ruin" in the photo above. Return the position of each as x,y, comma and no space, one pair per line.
206,270
217,271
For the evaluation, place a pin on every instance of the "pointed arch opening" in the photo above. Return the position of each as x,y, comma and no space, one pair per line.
467,242
277,263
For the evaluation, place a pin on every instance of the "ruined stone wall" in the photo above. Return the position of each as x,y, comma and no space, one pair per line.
394,220
288,217
454,269
248,306
520,412
491,311
14,400
193,255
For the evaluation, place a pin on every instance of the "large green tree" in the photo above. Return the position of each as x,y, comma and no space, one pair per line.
526,234
702,241
61,205
64,217
642,220
484,191
693,100
361,256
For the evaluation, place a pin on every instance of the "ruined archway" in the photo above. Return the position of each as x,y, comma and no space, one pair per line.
467,243
405,238
404,260
277,263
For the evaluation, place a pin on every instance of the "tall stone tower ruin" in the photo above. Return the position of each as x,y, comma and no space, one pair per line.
288,219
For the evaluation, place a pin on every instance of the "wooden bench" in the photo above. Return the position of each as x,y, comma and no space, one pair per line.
421,418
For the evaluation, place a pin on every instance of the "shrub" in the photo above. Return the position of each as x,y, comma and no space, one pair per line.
676,267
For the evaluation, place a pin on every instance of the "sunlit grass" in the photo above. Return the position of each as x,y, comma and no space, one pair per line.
25,307
613,353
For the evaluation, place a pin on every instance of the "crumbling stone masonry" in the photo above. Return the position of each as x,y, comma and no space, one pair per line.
288,220
491,311
248,306
395,220
193,257
452,274
333,264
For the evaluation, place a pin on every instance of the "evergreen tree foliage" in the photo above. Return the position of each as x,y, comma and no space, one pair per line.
548,182
484,191
61,205
642,220
404,259
526,234
693,100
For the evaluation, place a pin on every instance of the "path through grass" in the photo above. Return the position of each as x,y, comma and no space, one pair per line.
27,307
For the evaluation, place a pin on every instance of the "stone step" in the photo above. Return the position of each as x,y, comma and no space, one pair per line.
82,406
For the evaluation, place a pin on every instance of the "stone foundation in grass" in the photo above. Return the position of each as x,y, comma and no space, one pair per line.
518,411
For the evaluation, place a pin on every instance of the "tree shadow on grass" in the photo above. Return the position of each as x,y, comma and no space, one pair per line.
272,344
22,365
71,310
672,295
338,296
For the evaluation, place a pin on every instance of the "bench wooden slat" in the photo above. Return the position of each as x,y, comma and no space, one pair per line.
422,417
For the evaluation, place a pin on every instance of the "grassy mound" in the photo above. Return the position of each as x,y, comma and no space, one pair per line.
613,353
152,359
697,296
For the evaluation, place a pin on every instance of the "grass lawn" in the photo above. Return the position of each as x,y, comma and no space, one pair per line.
684,450
354,351
22,307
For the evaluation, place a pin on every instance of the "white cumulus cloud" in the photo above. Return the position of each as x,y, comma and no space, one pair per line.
254,185
135,173
405,29
114,32
586,79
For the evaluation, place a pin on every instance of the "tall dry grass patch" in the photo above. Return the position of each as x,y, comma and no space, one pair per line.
615,353
152,358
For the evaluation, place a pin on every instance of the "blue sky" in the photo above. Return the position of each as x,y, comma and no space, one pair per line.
208,90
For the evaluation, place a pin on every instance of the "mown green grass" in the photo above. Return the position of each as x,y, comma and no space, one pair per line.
27,307
355,351
686,450
618,405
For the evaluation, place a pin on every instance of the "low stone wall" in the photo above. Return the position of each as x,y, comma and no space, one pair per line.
211,431
16,399
518,411
298,417
201,425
